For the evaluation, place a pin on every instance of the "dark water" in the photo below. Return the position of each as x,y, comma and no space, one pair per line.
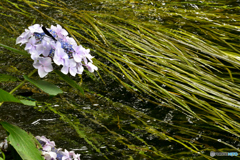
40,120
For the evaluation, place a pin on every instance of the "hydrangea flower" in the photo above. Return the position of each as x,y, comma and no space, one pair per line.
48,46
60,55
35,28
44,65
70,66
47,145
59,31
23,38
31,44
51,153
4,145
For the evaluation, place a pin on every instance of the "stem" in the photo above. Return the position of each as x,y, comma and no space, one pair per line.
20,85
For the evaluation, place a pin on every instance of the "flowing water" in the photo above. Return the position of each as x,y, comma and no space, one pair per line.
107,101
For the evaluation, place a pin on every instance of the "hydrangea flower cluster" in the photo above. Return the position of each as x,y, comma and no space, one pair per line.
4,145
46,45
51,153
48,150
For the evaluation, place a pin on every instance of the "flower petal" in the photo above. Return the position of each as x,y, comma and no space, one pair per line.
41,72
64,70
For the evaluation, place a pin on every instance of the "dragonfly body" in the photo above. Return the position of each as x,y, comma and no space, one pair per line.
48,33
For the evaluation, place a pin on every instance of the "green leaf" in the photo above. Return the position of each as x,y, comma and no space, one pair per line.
69,81
3,156
14,50
7,78
47,87
22,142
28,103
6,97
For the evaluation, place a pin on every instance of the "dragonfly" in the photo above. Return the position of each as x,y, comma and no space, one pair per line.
48,33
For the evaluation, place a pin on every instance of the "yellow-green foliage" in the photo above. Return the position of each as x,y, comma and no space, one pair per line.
181,55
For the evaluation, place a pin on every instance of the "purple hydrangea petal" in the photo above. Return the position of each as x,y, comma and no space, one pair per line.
43,64
66,155
91,67
47,148
35,28
48,68
71,41
79,68
45,47
31,44
60,56
41,72
64,70
69,66
45,61
34,54
49,155
23,38
73,71
74,156
59,31
78,54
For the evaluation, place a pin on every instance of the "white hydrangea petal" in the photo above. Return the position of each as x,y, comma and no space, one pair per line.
73,71
21,40
35,28
34,54
71,41
48,68
41,72
91,67
47,148
64,70
36,64
49,155
79,68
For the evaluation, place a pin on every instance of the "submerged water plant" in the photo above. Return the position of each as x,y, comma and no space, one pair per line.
180,58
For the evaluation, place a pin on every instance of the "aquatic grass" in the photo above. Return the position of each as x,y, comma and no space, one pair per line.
100,115
190,62
77,128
